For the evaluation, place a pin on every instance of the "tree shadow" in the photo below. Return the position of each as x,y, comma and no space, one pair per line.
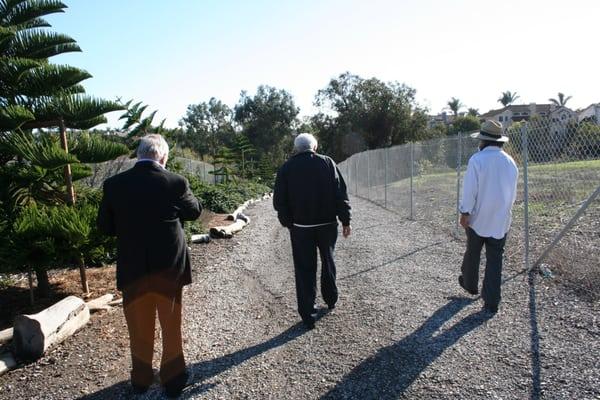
204,370
387,374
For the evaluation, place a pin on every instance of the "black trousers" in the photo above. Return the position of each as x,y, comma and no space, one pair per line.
305,242
141,302
494,249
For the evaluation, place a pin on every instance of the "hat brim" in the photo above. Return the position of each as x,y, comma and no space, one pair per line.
478,135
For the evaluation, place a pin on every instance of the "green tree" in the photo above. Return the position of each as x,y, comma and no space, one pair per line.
474,112
207,126
464,124
584,141
508,98
266,119
454,105
378,114
561,101
243,153
225,160
38,95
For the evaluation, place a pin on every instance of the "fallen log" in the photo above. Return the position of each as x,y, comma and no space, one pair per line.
101,303
34,334
203,238
226,232
7,362
233,216
116,302
6,336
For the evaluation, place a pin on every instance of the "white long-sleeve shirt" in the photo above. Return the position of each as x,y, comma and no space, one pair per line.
489,192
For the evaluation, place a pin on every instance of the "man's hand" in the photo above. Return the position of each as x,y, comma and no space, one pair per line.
464,220
346,231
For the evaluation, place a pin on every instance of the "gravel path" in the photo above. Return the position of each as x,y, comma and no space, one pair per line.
402,328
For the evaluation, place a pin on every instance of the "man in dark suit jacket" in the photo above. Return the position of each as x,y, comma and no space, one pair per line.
144,208
309,196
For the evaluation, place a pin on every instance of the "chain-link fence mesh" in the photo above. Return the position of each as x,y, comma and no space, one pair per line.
559,164
102,171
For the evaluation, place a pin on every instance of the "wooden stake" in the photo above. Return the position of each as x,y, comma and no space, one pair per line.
30,277
83,274
71,197
67,169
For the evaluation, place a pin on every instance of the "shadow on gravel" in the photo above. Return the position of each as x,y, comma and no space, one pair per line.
206,369
387,374
364,271
536,379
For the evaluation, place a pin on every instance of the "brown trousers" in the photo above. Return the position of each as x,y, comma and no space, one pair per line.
141,302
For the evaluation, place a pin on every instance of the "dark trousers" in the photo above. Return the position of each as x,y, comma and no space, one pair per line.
305,242
141,302
494,249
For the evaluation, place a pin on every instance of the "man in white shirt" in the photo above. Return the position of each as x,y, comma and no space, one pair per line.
489,192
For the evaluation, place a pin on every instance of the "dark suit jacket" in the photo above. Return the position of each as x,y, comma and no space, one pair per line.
143,207
309,189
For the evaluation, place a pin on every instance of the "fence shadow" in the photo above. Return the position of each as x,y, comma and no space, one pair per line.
364,271
536,381
387,374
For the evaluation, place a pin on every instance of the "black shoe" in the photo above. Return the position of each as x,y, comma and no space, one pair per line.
175,386
490,309
139,389
331,306
462,285
309,323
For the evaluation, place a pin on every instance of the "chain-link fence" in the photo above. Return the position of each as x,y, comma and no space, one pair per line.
102,171
557,212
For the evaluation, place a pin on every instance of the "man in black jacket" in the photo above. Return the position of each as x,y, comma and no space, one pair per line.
309,196
144,208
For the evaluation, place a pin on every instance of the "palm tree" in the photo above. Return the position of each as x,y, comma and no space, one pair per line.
454,105
562,100
35,94
473,112
508,98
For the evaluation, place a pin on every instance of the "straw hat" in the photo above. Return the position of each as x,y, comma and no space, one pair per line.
491,131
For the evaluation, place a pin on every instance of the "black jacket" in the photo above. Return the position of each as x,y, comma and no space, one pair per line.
143,207
310,190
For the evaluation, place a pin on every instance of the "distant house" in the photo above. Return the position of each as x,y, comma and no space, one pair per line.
523,112
443,118
590,113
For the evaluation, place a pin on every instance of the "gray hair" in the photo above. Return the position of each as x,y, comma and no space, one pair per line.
305,142
153,146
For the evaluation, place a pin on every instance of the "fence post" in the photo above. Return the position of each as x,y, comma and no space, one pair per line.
385,167
355,163
525,155
412,173
458,167
368,175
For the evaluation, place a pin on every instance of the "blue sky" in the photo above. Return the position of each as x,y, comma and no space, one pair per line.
169,54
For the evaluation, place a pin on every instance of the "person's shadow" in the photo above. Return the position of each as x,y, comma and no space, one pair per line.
207,369
387,374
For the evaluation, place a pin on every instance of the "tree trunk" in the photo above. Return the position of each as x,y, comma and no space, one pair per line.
84,282
43,282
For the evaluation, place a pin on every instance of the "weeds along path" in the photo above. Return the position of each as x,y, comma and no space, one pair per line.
402,327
